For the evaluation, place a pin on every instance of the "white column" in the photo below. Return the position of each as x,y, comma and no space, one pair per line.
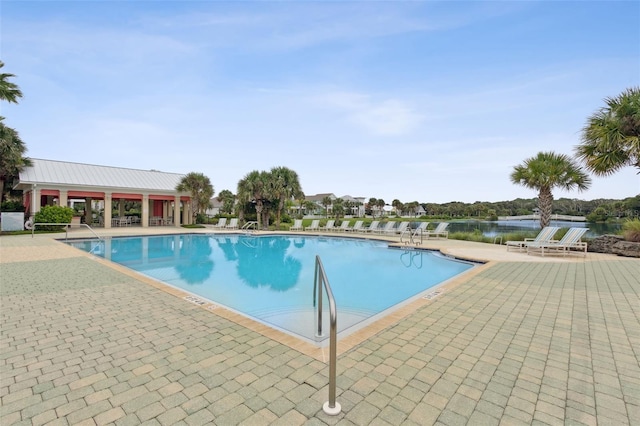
107,211
63,201
145,210
176,212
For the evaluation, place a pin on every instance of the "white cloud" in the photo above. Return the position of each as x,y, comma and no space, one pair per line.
386,117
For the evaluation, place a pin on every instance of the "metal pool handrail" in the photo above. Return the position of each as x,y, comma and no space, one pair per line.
66,228
330,407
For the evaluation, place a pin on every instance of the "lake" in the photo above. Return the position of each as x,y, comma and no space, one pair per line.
493,229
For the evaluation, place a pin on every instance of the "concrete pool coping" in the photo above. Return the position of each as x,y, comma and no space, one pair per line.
462,356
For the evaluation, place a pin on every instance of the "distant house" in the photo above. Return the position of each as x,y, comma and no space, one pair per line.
216,207
105,188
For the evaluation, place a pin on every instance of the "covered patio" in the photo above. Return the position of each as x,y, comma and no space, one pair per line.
106,193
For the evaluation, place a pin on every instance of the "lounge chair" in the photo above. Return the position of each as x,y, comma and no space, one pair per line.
401,227
372,228
571,241
388,227
233,223
222,222
545,235
344,226
356,227
297,225
329,226
315,225
440,231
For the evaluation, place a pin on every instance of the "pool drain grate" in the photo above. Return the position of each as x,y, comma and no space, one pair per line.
432,295
200,302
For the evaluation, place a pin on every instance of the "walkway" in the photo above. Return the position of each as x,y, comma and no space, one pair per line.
523,341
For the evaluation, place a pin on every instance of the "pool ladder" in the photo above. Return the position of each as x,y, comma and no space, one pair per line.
320,281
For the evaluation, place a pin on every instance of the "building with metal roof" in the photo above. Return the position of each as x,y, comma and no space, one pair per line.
50,182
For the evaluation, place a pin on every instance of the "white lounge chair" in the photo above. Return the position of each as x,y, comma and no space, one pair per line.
315,225
545,235
222,222
571,241
388,227
330,226
297,225
356,226
401,227
372,228
440,231
233,223
344,226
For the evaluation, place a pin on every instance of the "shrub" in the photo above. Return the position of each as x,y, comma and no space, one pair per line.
53,214
12,206
631,230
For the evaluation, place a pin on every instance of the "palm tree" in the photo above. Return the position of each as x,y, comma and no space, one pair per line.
227,199
611,138
284,186
546,171
8,91
12,159
398,206
326,202
254,188
200,188
380,204
12,149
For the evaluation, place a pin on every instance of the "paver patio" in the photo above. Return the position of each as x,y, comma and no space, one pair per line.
547,341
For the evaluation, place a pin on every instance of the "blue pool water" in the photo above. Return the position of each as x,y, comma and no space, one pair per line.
270,278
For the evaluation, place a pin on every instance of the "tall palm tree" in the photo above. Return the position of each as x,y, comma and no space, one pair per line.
254,188
546,171
9,91
611,137
200,188
12,159
380,204
12,149
285,185
326,202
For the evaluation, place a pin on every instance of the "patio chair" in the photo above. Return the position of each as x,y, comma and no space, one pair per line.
401,227
233,223
571,241
343,226
372,227
330,226
356,226
388,227
222,222
315,225
546,234
440,231
297,225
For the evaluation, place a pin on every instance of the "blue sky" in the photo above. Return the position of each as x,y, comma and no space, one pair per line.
419,101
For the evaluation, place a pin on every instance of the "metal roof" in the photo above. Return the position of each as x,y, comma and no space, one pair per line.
52,172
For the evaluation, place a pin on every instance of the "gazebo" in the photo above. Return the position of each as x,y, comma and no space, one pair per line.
51,182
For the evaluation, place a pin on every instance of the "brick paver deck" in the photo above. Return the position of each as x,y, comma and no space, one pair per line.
544,342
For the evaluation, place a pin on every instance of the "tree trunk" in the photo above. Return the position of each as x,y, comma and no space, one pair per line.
259,213
545,203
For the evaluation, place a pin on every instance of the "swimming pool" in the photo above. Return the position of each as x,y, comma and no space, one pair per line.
270,278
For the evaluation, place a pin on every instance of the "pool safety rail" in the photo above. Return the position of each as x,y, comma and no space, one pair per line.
412,234
250,226
320,281
30,225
